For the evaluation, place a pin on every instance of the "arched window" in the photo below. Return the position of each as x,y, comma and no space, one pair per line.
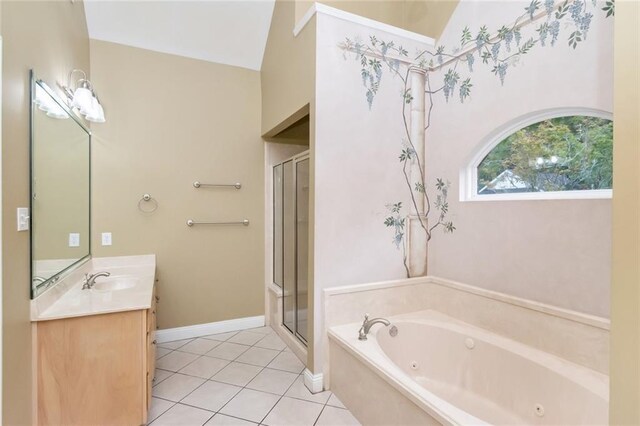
564,156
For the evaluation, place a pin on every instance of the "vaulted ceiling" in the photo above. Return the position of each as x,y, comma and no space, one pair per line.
227,32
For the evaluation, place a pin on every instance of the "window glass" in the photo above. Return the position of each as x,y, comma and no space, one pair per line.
560,154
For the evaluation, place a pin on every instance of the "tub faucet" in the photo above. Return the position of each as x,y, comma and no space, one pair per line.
367,324
90,279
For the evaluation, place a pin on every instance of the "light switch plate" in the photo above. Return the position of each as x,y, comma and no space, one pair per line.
23,218
74,239
106,238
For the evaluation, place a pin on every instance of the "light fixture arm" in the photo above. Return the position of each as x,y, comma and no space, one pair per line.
89,107
75,70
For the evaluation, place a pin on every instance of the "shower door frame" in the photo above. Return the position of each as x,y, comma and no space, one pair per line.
295,159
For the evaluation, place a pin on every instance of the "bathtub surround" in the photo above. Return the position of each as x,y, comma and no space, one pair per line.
173,121
396,409
569,348
456,373
579,338
51,38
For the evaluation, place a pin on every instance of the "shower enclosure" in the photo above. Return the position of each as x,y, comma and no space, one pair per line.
291,241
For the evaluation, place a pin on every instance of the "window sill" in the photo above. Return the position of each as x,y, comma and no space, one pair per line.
598,194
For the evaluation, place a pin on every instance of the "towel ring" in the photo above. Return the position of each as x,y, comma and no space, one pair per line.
147,198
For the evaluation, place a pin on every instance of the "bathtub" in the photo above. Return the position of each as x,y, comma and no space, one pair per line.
460,374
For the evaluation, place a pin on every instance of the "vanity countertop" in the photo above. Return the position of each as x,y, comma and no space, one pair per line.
67,299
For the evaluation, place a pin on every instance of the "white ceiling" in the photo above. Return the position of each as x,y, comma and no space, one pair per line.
227,32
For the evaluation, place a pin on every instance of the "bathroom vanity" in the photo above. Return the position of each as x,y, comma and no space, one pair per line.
94,349
93,357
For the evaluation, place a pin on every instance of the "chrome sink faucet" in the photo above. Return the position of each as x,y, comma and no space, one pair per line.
368,323
90,279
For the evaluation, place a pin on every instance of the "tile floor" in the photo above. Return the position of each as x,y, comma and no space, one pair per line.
241,378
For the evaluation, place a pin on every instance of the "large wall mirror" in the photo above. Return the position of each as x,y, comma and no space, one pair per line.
60,188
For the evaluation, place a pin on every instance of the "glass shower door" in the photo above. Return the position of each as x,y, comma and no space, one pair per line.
302,246
289,247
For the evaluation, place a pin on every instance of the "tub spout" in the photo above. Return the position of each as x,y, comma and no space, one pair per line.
368,323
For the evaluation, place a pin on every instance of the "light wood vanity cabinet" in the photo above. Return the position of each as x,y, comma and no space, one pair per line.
96,369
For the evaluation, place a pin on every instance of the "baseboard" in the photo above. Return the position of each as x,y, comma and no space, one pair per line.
313,382
200,330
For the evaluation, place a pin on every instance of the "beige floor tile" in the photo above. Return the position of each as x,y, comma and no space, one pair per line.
222,420
246,338
199,346
332,416
176,360
211,395
221,337
257,356
228,351
250,405
177,387
293,412
158,406
175,344
237,374
262,330
204,367
160,352
182,415
161,375
273,381
287,361
335,402
272,341
300,391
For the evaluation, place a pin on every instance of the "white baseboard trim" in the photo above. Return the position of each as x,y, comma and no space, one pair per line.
199,330
313,382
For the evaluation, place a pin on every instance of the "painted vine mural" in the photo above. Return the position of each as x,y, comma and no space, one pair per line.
499,52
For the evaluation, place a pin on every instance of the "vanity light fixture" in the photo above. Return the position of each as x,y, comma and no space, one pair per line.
48,105
82,96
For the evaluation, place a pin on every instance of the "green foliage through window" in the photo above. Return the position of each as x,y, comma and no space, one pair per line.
560,154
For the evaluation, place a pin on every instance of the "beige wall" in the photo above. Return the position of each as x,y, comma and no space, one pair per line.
625,289
288,92
428,17
51,38
172,121
288,67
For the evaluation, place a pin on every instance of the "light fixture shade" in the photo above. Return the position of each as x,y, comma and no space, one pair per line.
82,99
96,114
53,109
40,98
57,112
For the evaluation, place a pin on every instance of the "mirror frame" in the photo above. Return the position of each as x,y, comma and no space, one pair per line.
35,291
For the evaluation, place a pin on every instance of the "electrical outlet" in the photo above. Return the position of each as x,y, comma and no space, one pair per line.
106,238
74,239
23,218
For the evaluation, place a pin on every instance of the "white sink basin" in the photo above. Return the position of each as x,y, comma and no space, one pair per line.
114,283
